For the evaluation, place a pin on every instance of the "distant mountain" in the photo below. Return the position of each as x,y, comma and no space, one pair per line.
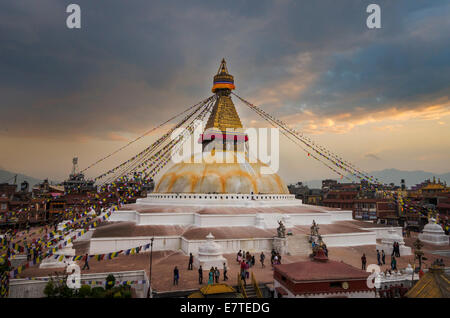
394,175
8,177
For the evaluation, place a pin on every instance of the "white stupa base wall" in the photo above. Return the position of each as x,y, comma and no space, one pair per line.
387,248
434,234
208,262
261,220
438,240
228,246
52,262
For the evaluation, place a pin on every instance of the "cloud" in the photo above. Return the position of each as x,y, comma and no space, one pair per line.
314,64
372,156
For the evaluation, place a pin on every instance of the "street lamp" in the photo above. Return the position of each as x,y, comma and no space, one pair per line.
149,295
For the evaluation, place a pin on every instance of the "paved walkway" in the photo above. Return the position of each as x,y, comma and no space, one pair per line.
164,263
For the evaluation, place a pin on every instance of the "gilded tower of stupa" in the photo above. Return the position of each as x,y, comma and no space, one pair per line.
234,173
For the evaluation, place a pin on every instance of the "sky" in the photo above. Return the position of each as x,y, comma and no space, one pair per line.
377,97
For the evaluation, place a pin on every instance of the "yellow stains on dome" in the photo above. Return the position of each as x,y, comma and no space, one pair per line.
213,177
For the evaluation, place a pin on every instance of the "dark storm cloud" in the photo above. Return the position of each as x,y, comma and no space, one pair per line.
134,63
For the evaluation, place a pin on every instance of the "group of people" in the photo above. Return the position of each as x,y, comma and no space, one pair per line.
381,258
275,258
246,257
396,249
213,275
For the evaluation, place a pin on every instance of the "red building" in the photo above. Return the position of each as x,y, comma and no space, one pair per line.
342,199
321,279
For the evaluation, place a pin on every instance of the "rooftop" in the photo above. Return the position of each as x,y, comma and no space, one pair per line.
320,271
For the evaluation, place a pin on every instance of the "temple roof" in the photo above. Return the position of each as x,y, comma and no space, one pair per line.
320,271
434,284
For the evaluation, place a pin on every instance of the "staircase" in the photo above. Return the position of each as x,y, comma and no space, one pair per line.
298,245
250,291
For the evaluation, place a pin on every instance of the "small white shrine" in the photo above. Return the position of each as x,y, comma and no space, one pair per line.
209,254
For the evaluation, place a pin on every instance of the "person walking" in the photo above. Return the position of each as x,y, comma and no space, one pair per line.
383,257
393,263
176,276
275,260
398,249
239,257
378,258
363,262
191,261
243,275
225,270
247,273
200,275
86,262
217,275
262,257
211,276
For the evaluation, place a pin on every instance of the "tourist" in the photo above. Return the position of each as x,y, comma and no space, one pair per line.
191,261
398,250
211,276
239,257
225,277
217,275
176,276
243,275
363,262
247,273
242,266
275,260
393,263
253,260
200,275
379,258
262,257
86,262
394,250
383,257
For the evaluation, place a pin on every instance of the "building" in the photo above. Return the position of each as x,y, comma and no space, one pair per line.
321,279
341,199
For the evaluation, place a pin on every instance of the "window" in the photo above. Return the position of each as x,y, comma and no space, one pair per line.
336,284
3,206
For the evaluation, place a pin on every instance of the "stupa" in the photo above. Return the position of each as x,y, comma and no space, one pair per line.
240,206
209,254
434,234
235,174
387,243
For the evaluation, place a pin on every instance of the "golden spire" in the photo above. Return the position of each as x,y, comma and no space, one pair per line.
224,114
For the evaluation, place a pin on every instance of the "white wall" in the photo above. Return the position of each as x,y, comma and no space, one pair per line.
24,288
